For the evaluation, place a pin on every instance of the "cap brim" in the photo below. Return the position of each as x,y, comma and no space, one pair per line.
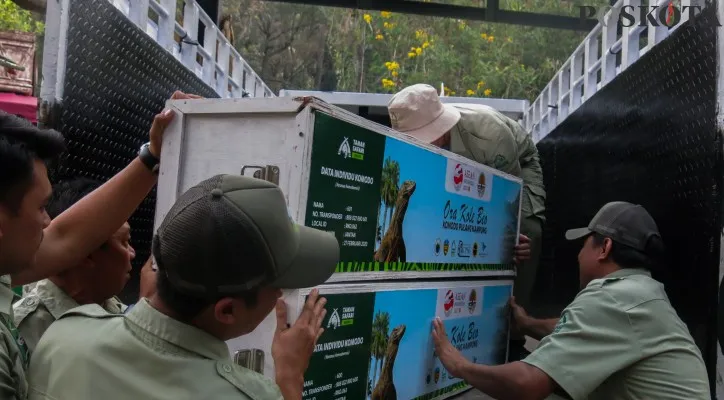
315,261
438,127
575,234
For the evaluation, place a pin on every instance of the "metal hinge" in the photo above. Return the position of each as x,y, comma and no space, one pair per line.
268,173
252,359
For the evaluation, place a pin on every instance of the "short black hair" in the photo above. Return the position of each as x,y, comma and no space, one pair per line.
627,257
68,192
187,307
21,143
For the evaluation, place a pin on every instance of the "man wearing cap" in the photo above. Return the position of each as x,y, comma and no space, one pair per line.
224,251
486,136
620,338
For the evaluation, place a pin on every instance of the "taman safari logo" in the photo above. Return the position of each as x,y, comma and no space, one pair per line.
334,320
344,150
355,150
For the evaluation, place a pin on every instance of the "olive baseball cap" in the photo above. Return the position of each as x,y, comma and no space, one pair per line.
625,223
230,234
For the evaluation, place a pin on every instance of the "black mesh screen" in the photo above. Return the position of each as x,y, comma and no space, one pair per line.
117,78
649,137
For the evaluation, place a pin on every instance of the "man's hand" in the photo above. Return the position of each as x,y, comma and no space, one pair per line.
449,355
520,317
522,250
147,283
161,121
293,346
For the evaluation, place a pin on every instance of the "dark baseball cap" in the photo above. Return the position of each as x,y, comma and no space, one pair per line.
625,223
230,234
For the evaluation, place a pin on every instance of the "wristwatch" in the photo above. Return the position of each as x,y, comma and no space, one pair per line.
148,159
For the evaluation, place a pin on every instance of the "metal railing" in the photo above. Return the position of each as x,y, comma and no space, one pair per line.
214,60
602,55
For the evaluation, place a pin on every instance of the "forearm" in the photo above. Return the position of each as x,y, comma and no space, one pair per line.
290,386
502,382
539,328
81,229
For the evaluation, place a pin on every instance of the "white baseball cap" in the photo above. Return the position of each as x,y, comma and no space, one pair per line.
417,111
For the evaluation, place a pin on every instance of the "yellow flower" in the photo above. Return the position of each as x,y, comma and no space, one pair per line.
488,92
509,40
470,92
484,35
392,65
367,18
411,54
452,93
388,25
395,74
491,38
418,51
379,36
419,34
426,45
385,14
481,84
462,25
387,83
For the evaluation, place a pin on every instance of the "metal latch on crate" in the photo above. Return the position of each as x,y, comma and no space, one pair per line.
268,173
252,359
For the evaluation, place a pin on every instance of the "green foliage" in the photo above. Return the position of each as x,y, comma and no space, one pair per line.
14,18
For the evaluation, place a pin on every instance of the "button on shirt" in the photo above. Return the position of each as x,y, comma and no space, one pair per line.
13,352
621,339
44,304
144,354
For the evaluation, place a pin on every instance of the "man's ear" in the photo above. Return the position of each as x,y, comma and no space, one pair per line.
225,310
605,250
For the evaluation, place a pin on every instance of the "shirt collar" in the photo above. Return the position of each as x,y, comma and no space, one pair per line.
188,337
55,299
624,272
7,296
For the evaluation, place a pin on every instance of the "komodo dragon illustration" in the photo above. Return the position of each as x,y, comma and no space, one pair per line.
392,247
385,388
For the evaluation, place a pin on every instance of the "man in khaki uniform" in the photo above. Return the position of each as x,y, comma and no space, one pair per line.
33,248
620,338
223,251
484,135
97,279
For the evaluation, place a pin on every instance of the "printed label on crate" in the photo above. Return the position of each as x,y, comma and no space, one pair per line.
397,207
378,342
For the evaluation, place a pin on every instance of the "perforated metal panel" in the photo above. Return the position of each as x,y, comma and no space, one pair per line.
116,79
649,137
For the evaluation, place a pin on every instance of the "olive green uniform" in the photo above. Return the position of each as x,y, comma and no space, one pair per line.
91,354
621,339
45,303
487,136
13,352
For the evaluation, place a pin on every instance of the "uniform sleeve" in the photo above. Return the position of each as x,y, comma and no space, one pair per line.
592,340
493,144
7,381
34,325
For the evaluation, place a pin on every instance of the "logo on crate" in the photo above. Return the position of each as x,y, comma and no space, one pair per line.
475,249
347,318
464,250
449,302
438,246
481,184
356,150
472,301
458,177
446,247
453,248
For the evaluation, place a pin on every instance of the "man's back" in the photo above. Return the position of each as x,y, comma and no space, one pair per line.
90,354
621,339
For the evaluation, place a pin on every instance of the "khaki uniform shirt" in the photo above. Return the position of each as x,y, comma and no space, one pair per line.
489,137
91,354
621,339
13,352
45,303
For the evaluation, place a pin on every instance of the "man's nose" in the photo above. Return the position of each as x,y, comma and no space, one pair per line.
131,252
46,219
